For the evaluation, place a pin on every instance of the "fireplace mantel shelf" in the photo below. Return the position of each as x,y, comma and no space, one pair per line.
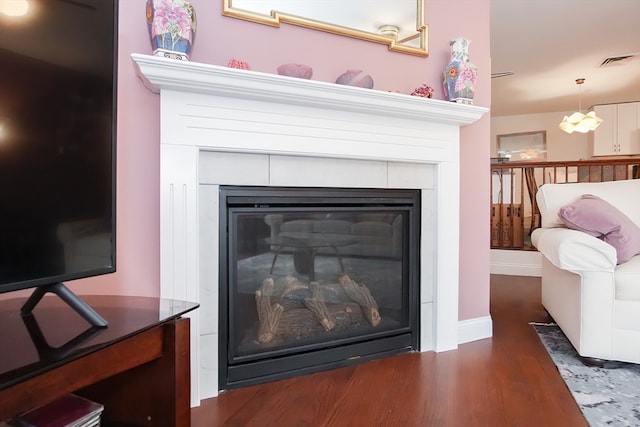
159,73
224,126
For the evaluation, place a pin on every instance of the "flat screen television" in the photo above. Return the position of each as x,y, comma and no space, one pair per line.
57,146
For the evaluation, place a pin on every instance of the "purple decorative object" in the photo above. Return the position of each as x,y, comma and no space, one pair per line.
597,217
296,70
355,78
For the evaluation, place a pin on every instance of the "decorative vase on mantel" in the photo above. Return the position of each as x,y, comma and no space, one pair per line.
459,77
172,28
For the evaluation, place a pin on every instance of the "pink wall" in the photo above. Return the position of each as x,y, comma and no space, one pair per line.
265,48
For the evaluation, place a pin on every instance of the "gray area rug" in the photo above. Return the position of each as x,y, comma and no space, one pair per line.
607,396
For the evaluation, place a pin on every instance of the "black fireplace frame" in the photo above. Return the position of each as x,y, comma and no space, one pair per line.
274,366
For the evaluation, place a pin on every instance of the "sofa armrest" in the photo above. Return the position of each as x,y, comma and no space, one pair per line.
574,250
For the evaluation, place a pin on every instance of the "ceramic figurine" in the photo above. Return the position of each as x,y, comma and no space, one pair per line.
355,78
296,70
424,91
236,63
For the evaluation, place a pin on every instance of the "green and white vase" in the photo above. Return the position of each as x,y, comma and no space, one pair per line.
172,28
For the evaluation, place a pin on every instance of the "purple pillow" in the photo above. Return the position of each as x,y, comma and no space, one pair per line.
600,219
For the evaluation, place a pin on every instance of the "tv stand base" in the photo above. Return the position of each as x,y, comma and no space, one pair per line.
66,295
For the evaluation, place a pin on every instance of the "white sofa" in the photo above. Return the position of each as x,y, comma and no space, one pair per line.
593,300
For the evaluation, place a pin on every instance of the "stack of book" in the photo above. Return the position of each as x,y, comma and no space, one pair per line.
68,411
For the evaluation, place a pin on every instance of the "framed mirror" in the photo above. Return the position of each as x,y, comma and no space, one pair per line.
396,23
524,146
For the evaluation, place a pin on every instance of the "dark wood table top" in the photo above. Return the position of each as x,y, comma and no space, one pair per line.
54,334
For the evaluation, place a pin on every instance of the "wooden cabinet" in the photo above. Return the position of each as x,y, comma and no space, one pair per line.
619,133
137,367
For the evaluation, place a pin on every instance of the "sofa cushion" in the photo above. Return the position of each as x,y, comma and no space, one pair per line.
599,218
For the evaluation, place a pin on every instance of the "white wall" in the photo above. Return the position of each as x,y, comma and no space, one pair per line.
561,146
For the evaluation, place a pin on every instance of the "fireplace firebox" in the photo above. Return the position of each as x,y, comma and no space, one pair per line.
315,278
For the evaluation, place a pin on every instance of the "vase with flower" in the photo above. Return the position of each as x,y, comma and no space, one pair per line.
172,28
459,77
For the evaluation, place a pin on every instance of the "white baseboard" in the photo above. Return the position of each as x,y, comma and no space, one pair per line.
516,263
475,329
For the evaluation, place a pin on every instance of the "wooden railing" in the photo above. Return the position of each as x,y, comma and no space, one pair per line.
514,211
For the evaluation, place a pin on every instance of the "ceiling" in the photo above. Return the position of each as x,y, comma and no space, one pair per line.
548,44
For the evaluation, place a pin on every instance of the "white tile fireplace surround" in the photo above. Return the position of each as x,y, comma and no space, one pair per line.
223,126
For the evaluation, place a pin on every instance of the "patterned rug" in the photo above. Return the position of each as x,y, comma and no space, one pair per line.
608,396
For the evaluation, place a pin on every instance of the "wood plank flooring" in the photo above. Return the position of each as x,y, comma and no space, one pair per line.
508,380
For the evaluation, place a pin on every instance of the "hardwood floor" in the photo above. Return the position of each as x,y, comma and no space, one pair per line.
508,380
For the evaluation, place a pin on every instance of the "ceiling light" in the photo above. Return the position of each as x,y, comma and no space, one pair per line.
578,122
14,7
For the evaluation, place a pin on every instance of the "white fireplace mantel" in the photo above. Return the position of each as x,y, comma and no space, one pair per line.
224,126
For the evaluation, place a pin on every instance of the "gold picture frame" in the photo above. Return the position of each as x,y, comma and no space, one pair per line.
413,43
523,146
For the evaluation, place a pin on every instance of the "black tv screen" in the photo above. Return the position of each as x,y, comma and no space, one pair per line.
57,141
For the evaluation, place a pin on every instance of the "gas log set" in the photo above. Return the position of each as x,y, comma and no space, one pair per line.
289,308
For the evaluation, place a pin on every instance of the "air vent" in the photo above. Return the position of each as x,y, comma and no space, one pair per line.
613,60
501,74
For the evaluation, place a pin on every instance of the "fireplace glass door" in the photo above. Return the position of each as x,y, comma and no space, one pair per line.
315,278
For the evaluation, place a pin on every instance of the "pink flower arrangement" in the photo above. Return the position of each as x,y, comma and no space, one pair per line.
424,91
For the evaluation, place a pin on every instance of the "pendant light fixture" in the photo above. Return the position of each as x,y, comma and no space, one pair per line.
14,7
578,122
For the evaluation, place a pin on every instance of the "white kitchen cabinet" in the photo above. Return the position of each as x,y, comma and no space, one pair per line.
619,133
629,128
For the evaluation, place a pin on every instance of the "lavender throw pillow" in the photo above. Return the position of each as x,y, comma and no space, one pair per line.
600,219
